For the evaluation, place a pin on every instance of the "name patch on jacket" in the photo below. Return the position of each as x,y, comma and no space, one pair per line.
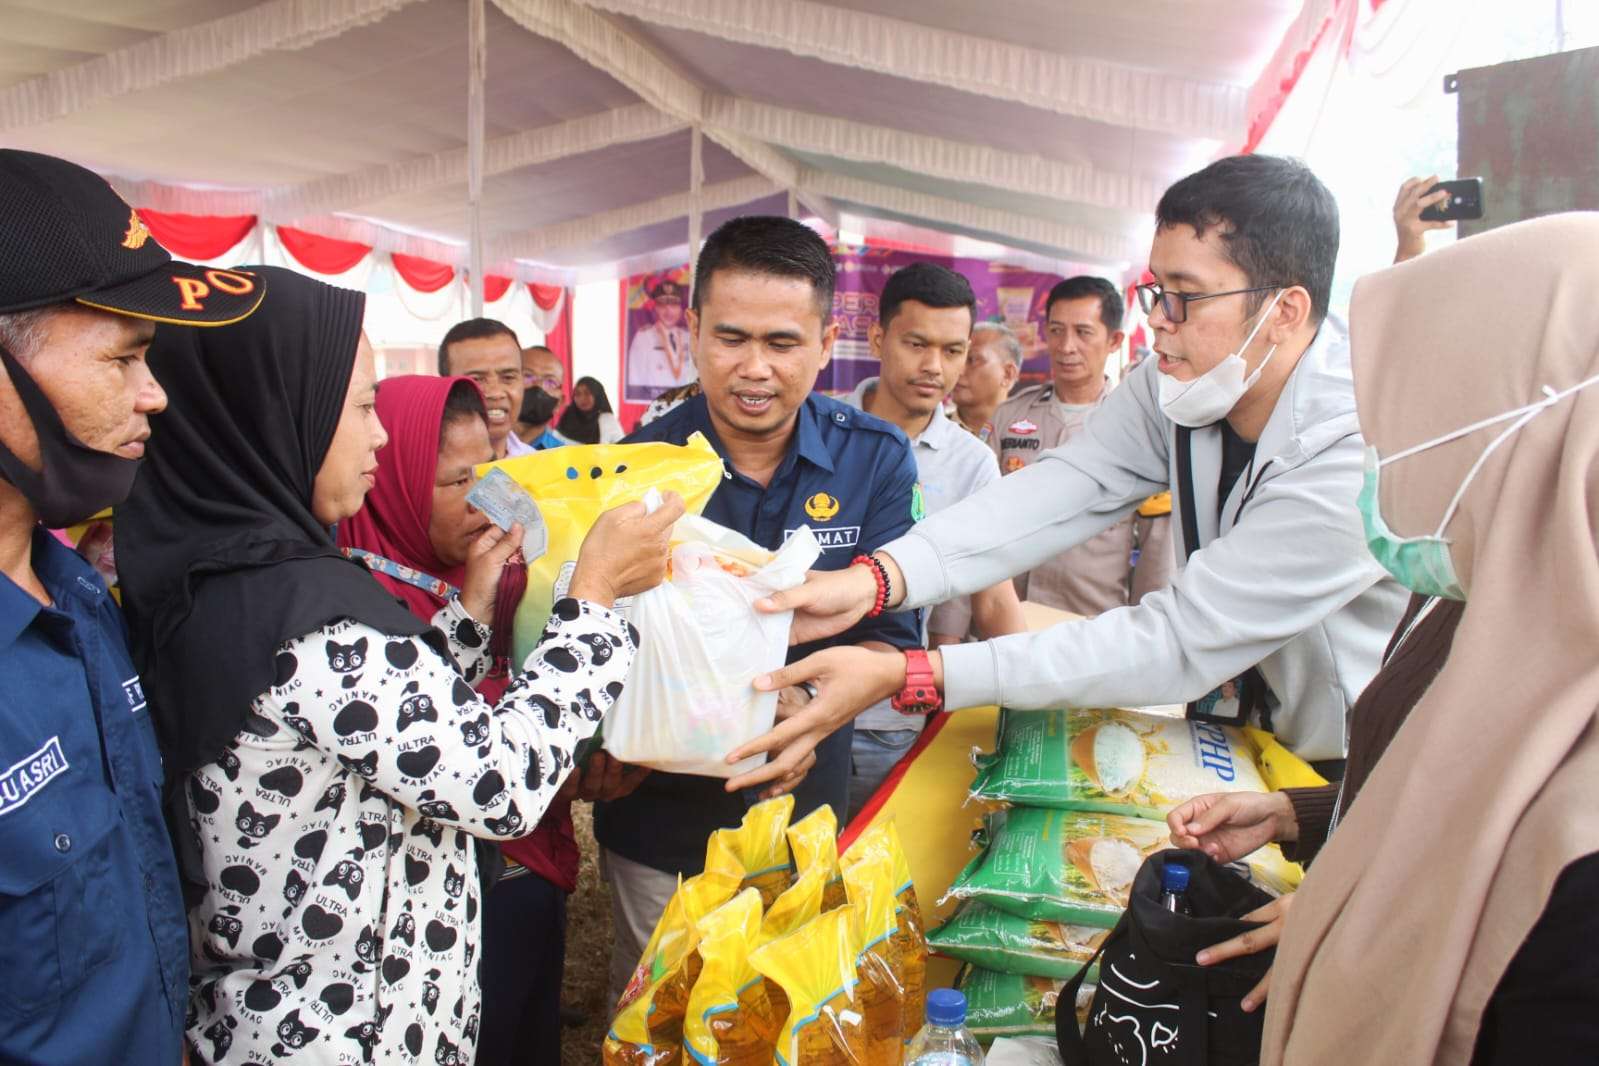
839,537
19,783
1029,443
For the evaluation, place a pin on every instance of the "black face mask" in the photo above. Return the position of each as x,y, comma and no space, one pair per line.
77,481
538,407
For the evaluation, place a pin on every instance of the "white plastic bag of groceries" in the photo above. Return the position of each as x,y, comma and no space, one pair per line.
688,700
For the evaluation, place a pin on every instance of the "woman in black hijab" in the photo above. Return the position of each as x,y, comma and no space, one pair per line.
588,418
329,758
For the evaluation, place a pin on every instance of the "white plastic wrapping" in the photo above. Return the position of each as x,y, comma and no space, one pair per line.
688,699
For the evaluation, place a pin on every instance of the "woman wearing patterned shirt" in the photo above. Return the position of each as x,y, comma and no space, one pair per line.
331,763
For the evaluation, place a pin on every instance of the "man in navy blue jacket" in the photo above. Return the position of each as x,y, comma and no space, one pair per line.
761,331
94,945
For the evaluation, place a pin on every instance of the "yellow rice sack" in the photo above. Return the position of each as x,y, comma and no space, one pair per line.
573,486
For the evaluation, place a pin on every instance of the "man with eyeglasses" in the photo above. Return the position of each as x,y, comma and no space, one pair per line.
543,389
1279,615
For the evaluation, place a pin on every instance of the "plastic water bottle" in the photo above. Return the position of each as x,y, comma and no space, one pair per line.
1174,888
945,1040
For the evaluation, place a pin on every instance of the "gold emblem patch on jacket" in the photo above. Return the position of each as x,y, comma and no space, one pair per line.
821,507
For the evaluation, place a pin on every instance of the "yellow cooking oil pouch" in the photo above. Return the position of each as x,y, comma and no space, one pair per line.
793,909
729,1017
815,967
814,840
648,1027
759,847
911,937
880,966
573,486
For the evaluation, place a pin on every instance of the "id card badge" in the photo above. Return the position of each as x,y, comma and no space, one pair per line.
1232,702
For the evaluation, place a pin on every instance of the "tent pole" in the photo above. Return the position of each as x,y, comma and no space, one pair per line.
696,178
477,62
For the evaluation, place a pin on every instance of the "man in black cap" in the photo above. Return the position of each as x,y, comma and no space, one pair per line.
658,357
93,937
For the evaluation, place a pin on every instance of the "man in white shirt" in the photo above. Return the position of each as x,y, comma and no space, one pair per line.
658,358
488,352
921,337
1249,418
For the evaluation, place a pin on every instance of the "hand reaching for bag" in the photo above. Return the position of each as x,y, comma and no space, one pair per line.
1274,914
1229,825
625,552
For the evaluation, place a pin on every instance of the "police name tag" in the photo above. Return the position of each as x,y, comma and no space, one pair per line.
19,783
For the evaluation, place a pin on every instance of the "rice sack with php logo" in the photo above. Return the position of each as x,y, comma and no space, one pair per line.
1112,761
1078,866
1004,1004
996,940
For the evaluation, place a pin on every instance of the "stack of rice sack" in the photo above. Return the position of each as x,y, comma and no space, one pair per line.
816,960
1088,794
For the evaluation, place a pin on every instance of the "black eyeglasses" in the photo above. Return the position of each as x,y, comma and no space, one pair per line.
1174,305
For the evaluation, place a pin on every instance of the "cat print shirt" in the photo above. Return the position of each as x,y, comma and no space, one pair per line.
341,922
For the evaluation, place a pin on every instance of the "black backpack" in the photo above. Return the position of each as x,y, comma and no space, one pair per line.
1154,1005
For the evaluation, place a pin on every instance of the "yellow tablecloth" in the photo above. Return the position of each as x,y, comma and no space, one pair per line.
925,795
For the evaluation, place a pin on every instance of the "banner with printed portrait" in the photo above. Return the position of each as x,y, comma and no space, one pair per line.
655,343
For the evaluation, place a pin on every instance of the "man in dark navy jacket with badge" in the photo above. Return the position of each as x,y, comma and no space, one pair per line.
93,940
761,331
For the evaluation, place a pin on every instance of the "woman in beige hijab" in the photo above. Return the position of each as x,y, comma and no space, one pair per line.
1460,893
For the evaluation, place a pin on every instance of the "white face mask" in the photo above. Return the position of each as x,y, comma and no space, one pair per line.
1211,396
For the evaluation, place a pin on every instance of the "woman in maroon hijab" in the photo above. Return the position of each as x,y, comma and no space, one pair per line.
414,534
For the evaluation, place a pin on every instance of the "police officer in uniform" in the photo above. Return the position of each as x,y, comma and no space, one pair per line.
658,357
94,944
763,331
1083,329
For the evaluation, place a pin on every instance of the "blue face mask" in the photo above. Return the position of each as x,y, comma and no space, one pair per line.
1423,564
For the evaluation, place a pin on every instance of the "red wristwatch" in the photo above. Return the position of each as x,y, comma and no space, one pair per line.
920,695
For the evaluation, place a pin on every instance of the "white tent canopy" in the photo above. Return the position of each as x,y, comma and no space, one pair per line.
1048,126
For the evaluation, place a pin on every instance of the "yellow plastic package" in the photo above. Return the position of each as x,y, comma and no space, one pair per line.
814,840
648,1028
911,937
880,967
815,967
793,910
729,1017
758,847
1280,767
574,485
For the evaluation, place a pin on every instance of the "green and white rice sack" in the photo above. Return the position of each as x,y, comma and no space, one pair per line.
995,940
1114,761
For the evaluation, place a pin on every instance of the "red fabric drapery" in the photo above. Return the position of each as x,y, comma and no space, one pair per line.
545,295
423,275
1262,119
559,338
325,255
196,236
494,287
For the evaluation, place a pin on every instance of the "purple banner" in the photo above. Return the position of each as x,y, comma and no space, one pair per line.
655,337
1006,294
